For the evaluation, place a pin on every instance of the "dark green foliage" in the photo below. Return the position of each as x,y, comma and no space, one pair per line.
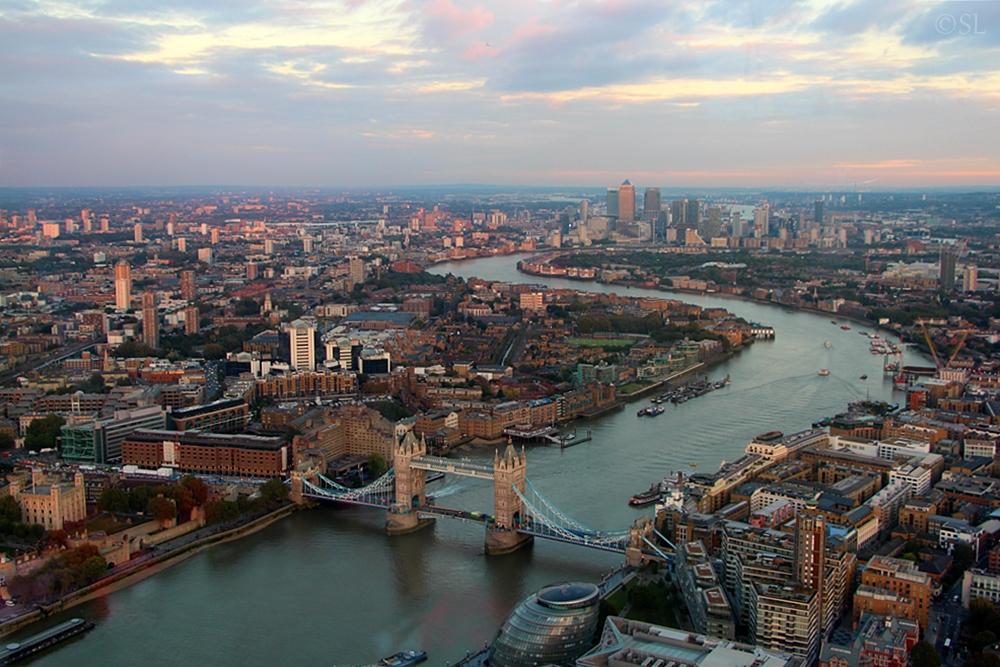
9,509
42,433
113,501
273,491
392,411
924,655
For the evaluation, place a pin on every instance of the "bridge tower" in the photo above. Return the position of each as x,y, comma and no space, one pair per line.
411,488
509,471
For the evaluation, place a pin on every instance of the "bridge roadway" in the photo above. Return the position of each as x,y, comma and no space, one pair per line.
456,467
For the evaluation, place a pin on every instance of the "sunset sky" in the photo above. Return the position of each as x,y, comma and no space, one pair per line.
807,95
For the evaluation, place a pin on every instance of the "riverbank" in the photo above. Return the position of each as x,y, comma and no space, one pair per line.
144,570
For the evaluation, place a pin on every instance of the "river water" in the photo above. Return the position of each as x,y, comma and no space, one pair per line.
328,587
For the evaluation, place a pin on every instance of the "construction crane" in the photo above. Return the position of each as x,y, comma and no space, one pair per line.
930,343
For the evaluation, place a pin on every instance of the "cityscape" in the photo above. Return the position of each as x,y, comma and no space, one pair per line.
609,333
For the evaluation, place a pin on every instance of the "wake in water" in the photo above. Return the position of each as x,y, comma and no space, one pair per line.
449,490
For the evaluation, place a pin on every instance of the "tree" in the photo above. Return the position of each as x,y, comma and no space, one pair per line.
983,614
924,655
9,509
162,509
113,501
197,487
982,640
377,465
222,511
91,569
42,433
273,491
6,441
95,385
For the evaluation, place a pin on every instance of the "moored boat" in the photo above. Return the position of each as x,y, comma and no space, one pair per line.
403,659
824,372
646,497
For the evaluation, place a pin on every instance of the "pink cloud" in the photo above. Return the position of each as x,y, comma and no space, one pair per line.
446,21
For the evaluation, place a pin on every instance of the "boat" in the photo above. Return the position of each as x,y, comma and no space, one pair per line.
646,497
728,381
693,465
826,344
863,377
824,372
16,651
642,412
654,411
833,321
846,328
403,659
434,476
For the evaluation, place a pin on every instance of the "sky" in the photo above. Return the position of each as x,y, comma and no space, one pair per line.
810,95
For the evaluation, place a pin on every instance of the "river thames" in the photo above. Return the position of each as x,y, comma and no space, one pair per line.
328,587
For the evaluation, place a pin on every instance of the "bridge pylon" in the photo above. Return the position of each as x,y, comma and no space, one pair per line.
638,532
509,472
411,488
296,487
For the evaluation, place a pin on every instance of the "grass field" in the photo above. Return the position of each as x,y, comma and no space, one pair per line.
600,342
632,387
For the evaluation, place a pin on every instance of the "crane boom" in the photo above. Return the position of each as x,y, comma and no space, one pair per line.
930,344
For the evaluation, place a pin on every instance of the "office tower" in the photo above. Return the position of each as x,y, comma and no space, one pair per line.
251,271
307,244
692,214
182,244
584,212
123,285
191,325
215,236
949,255
150,320
712,227
105,225
302,344
564,224
626,202
205,255
651,204
137,232
356,270
171,222
761,222
818,214
32,219
970,276
612,207
189,290
677,211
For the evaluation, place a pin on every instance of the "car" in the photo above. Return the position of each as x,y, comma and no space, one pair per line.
10,603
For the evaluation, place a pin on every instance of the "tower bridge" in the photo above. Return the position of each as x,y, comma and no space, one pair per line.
520,511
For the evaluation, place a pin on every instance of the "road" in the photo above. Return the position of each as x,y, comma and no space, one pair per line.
947,617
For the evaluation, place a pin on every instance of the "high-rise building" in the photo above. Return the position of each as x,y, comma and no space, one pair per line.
191,325
123,285
762,221
182,245
302,345
150,320
612,206
692,214
189,289
949,256
678,209
137,232
205,255
215,235
894,587
584,212
356,270
251,271
818,213
651,204
785,617
810,553
712,226
626,202
970,276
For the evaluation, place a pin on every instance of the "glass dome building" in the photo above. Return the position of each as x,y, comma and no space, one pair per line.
554,626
